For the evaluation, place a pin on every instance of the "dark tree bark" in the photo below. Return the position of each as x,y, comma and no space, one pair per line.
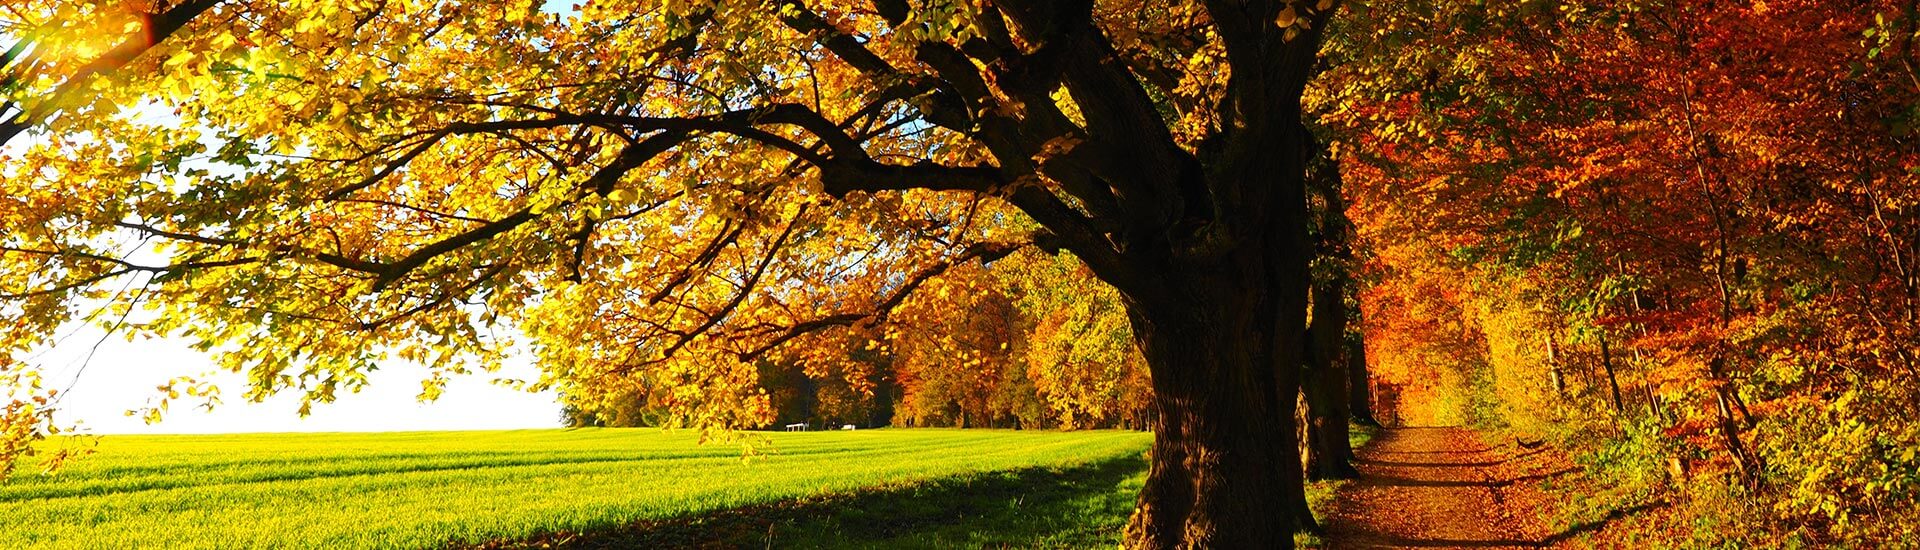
1359,383
1224,473
1329,451
1304,522
1613,381
1324,383
1748,463
1222,318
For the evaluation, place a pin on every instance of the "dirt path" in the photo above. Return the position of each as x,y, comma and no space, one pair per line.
1439,488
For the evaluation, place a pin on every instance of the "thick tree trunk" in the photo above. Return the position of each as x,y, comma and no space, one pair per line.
1219,301
1303,522
1324,381
1325,385
1224,471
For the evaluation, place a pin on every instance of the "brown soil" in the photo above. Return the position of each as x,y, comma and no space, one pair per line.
1445,488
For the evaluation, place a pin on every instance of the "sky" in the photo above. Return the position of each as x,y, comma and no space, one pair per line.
123,375
103,376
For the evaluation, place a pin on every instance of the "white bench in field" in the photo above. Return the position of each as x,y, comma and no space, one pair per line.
797,427
848,427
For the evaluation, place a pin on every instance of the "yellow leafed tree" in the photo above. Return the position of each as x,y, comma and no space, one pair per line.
665,191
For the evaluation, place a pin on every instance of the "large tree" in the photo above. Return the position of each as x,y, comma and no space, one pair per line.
667,191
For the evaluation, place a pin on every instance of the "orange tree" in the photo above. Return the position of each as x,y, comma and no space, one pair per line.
1034,341
1679,234
667,191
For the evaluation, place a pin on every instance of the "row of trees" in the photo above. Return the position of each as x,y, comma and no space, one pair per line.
1679,237
1032,341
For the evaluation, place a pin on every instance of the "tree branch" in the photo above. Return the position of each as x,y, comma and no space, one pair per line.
155,27
746,288
985,252
840,177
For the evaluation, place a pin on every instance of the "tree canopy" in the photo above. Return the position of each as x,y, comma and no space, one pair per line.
1668,231
640,188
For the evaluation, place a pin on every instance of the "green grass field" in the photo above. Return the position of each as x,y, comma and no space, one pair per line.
594,487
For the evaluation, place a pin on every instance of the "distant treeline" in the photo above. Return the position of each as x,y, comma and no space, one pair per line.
1031,342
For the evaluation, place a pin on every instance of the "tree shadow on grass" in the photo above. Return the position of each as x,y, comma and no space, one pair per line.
1072,507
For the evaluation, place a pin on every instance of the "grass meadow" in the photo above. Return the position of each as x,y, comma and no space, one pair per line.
588,487
591,488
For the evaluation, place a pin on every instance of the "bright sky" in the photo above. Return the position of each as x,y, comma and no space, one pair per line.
122,375
103,377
